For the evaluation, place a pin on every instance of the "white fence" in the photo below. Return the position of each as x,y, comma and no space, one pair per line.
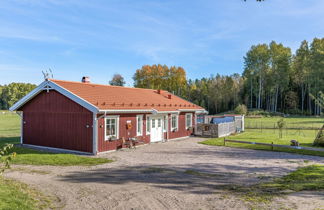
208,129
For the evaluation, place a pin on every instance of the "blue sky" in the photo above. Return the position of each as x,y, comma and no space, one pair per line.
100,37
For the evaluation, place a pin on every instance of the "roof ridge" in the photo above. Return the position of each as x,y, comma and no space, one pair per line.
53,80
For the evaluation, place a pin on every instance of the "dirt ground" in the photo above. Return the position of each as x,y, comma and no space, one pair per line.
174,175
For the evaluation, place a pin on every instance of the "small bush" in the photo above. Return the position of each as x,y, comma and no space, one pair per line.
5,157
319,141
241,109
264,113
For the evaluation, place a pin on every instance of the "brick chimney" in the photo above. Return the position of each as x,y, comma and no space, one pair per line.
169,96
85,79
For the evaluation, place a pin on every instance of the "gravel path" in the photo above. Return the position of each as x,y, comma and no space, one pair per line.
174,175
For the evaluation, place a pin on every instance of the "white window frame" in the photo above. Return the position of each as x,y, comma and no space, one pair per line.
177,122
141,124
108,137
148,125
165,123
188,114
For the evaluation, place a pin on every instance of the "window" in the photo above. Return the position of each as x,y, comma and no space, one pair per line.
165,123
159,123
139,124
148,125
111,128
174,122
153,123
188,120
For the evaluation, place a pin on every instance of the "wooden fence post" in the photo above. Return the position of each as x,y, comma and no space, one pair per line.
224,141
271,145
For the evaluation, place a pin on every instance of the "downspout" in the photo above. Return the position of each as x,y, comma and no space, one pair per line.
167,118
195,123
95,134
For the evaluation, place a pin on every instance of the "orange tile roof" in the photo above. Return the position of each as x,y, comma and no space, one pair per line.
107,97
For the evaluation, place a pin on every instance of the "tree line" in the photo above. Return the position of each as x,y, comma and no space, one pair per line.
10,94
277,80
274,79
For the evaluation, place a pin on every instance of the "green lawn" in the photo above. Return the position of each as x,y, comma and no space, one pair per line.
304,137
9,124
291,122
16,195
305,178
310,178
9,133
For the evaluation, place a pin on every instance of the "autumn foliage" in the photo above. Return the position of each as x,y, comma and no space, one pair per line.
172,79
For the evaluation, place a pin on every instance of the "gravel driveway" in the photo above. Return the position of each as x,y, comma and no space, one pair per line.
174,175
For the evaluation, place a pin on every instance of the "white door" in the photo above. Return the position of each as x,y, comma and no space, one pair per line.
156,129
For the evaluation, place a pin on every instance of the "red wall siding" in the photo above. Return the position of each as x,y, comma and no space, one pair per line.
123,132
182,131
53,120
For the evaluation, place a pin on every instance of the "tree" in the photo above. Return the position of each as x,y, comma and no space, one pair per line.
280,59
117,80
301,70
256,64
241,109
319,100
1,88
13,92
316,76
159,76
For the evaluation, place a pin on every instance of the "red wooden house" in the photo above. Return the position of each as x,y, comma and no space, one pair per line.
93,118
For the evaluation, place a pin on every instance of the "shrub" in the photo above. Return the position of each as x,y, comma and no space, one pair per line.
241,109
319,141
5,157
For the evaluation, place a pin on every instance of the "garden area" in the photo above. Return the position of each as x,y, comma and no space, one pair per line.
265,130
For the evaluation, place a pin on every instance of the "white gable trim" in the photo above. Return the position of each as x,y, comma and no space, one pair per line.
74,97
29,96
53,86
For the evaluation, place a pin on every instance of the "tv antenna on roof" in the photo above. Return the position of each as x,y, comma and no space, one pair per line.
47,74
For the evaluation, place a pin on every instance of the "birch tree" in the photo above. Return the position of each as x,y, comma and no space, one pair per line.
257,61
301,70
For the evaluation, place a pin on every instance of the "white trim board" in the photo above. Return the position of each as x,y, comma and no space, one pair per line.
116,117
95,134
29,96
114,111
54,86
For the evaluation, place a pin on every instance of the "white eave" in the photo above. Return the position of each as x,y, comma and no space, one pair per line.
50,85
125,111
193,110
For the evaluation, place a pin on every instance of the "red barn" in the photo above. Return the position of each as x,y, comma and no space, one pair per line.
93,118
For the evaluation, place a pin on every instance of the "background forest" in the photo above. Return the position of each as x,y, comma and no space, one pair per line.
274,79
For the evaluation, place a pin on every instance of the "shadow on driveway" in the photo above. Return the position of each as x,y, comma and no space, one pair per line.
182,178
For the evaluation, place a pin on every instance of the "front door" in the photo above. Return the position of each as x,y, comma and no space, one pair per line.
157,129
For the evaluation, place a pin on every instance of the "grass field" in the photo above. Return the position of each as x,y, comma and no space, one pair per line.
291,122
304,136
16,195
9,133
308,178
